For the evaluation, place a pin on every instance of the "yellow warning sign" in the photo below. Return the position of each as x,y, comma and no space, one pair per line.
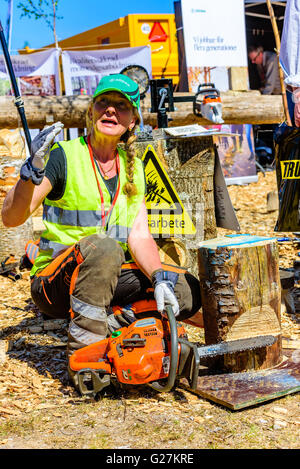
290,169
166,213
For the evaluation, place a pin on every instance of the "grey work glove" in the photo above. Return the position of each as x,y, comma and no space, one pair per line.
164,283
34,167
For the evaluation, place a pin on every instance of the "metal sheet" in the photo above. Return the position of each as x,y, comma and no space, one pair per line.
240,390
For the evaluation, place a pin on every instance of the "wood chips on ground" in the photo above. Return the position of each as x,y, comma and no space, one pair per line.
34,381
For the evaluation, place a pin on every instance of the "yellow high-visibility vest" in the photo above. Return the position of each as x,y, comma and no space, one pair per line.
77,213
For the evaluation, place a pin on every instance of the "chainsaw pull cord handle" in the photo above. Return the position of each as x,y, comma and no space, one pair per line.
173,355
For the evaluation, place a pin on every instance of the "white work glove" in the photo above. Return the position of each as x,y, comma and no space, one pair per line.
41,144
164,283
34,167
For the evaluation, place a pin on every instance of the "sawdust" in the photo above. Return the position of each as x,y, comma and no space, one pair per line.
40,410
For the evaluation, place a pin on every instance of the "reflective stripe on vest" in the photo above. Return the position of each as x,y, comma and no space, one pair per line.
56,248
84,218
71,217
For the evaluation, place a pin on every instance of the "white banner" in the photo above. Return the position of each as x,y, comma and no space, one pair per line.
37,73
83,70
214,33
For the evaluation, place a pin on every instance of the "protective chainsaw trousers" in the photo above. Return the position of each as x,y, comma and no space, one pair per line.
89,278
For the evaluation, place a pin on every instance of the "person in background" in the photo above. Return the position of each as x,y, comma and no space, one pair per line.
289,58
267,67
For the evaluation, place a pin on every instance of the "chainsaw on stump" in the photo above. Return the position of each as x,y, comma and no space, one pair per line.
208,103
149,351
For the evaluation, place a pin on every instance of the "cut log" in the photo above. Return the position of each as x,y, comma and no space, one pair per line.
238,78
272,201
287,280
240,288
238,107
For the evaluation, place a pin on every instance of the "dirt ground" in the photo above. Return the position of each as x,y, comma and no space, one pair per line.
40,410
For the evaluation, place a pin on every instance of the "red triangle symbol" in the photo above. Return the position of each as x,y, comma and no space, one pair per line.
157,33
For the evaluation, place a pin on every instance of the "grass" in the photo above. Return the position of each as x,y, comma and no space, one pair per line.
102,441
18,427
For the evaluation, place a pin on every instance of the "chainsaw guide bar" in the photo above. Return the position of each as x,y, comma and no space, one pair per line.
239,345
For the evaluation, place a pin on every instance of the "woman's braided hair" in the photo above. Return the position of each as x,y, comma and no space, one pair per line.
128,139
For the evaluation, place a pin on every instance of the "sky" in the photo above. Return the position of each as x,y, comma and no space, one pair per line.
78,16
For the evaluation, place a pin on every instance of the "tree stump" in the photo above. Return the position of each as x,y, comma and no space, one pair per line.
240,288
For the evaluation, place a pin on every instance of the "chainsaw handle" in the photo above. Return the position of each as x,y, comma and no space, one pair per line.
208,87
173,355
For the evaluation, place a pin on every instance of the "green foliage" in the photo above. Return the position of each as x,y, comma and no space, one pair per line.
40,9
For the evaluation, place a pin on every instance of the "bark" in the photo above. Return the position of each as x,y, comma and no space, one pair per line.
240,289
238,107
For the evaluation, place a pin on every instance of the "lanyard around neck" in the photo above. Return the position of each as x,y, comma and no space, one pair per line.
103,214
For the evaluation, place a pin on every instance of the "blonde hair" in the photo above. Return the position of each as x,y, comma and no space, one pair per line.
128,138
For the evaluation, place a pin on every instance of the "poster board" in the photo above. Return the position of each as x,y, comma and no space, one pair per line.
36,73
214,38
214,33
84,69
236,153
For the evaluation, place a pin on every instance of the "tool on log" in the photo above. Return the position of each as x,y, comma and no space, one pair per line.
208,103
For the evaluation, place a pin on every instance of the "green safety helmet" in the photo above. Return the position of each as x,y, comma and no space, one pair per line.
121,83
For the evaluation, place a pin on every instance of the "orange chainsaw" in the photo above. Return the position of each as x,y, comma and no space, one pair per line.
153,351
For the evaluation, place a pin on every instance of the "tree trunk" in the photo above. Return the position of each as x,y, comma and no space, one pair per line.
240,288
244,107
